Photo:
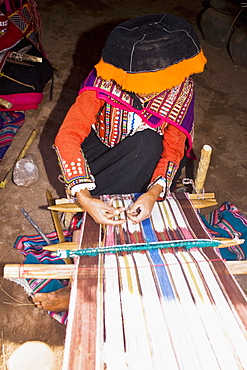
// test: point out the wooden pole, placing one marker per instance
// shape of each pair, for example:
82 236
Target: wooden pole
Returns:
66 207
6 104
21 155
207 201
203 203
28 271
57 223
62 246
202 168
55 218
16 271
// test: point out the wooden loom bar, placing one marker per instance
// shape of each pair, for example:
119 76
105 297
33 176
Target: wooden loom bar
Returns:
20 271
194 196
203 168
54 215
56 222
226 242
28 271
237 267
198 201
61 246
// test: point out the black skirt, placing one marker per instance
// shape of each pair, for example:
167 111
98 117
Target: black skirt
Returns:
125 168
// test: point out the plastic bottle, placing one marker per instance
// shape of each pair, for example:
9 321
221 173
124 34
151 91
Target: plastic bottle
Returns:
25 171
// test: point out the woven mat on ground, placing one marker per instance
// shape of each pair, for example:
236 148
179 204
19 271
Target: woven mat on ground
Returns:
31 246
10 123
228 222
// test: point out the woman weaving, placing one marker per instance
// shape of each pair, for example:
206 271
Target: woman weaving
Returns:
132 121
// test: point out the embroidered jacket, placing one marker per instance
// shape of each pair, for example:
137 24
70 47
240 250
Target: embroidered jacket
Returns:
104 106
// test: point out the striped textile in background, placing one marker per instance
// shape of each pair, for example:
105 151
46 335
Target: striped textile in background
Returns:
10 123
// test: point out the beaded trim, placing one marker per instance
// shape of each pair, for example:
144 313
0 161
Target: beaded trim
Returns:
75 173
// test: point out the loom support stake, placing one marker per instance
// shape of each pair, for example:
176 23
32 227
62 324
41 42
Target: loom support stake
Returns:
21 155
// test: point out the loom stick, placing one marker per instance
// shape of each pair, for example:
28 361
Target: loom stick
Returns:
55 218
200 203
207 200
6 104
203 200
237 267
227 242
27 271
61 246
66 207
21 155
56 221
202 168
62 249
185 243
209 196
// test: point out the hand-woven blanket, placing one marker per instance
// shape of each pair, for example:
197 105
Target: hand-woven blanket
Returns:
10 123
228 222
31 246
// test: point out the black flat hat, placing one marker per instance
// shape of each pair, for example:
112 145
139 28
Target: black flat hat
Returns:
151 53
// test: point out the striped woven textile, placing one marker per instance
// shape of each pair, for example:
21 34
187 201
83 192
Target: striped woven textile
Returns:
31 246
10 123
156 309
228 222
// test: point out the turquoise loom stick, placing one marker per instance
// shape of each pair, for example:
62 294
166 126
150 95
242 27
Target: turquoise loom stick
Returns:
186 243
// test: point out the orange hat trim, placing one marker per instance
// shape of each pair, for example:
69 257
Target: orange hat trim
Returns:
152 82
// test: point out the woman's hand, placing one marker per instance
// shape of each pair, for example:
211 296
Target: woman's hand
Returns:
101 212
143 206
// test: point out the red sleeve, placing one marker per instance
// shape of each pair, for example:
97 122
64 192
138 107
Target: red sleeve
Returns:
75 128
173 152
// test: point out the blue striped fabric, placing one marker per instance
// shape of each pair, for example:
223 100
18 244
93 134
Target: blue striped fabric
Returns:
10 123
228 222
31 246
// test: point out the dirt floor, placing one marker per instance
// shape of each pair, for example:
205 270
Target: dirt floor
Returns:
73 35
